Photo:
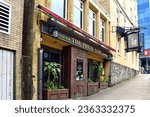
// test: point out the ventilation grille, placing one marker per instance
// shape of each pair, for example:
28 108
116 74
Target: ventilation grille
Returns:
5 11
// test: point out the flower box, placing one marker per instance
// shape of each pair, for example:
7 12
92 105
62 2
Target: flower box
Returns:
93 87
58 94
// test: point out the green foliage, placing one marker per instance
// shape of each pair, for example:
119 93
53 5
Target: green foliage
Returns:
90 80
100 70
95 69
61 87
106 79
54 68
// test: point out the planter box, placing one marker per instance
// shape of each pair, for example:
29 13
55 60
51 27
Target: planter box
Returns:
93 87
103 85
59 94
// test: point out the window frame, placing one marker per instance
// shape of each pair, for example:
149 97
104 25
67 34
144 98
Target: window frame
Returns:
93 22
65 8
103 27
81 10
118 16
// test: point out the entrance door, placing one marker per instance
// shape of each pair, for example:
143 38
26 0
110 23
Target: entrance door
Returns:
79 68
81 77
6 74
74 71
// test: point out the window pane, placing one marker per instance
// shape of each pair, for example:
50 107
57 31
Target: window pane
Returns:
90 14
90 26
58 7
102 30
77 17
78 13
92 23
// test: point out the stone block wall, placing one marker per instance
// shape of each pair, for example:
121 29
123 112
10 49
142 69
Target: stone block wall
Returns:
120 73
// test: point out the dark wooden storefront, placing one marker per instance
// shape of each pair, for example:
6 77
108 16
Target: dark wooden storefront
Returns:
76 50
75 71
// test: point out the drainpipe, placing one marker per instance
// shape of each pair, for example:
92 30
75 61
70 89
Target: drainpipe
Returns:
40 72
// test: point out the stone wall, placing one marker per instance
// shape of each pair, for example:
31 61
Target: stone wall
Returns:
120 73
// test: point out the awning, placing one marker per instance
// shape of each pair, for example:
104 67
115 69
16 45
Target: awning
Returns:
69 24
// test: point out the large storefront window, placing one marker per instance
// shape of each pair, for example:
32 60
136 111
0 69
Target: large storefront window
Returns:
78 13
102 30
92 22
94 70
50 56
59 7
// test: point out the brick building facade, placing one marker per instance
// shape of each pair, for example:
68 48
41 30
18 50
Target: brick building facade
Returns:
11 29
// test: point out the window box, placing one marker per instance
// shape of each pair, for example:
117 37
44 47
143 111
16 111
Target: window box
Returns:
103 85
58 94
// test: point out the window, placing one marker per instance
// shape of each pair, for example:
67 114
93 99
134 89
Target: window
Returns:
59 7
119 45
79 69
78 13
50 55
92 22
5 17
102 30
118 17
125 21
94 70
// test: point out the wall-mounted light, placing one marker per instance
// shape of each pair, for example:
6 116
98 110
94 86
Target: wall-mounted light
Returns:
53 31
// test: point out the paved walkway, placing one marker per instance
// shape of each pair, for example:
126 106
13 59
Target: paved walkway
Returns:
137 88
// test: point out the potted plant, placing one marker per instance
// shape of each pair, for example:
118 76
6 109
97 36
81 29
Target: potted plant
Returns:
93 81
104 82
53 90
